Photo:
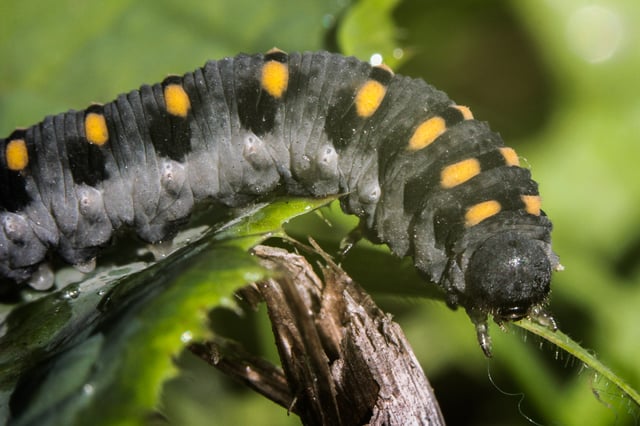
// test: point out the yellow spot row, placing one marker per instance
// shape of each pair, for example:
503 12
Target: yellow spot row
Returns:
460 172
484 210
274 80
176 100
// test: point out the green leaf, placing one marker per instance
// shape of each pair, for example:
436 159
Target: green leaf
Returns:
139 351
138 322
561 340
368 29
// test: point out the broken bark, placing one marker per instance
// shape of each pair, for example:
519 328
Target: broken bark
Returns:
344 361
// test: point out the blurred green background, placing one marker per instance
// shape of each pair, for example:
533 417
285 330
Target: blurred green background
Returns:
559 80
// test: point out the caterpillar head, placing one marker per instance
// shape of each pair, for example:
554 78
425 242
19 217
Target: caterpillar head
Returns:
508 276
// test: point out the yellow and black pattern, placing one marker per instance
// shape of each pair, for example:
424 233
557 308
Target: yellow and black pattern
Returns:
424 176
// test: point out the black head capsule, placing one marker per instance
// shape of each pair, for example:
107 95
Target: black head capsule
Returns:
508 276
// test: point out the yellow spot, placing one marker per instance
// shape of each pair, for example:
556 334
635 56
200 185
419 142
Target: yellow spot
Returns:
481 211
275 78
17 155
426 133
369 98
532 204
460 172
95 128
510 156
176 100
465 111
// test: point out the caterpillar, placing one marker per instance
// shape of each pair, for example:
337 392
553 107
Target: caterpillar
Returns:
419 171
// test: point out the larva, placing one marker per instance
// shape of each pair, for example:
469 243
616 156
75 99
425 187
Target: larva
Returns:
422 174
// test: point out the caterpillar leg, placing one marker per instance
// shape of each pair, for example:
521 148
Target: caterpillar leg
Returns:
479 319
86 267
352 238
42 278
540 315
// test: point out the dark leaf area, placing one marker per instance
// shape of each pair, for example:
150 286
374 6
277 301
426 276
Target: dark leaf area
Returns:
104 346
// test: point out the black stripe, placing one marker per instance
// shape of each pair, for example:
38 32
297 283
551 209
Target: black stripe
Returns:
257 109
491 160
452 116
86 160
13 190
170 135
342 121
